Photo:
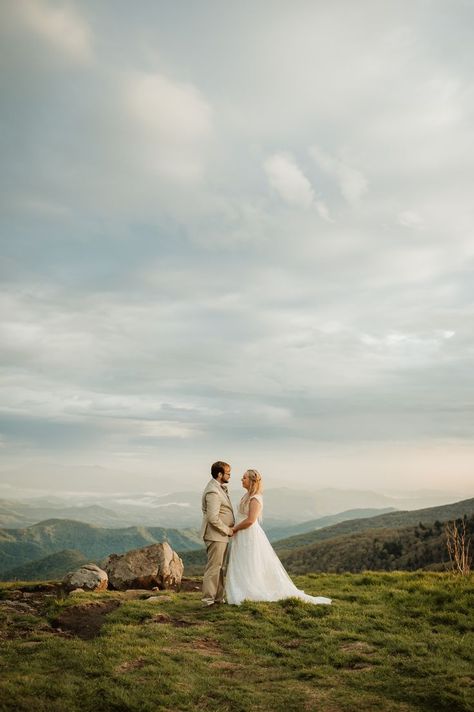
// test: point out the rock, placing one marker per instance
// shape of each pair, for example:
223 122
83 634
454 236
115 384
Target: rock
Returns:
159 599
75 591
89 577
18 606
152 566
135 594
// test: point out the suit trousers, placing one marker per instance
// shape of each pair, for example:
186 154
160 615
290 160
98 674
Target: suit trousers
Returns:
213 579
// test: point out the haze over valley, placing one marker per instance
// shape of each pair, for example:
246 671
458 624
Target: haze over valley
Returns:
284 506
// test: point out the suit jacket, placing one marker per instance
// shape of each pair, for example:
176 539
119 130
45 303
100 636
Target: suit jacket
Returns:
217 513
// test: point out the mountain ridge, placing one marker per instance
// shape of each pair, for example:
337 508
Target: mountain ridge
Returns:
23 545
405 548
390 520
275 533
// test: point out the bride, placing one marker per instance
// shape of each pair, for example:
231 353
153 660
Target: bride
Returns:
255 573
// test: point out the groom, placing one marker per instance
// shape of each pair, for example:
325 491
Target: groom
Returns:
217 522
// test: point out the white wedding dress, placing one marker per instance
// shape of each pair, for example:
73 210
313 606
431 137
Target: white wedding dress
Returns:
255 573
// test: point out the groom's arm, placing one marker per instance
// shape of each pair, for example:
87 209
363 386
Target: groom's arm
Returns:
212 510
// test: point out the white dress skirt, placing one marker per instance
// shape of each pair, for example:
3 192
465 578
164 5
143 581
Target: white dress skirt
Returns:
254 572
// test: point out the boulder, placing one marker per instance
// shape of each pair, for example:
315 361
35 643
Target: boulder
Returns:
152 566
89 577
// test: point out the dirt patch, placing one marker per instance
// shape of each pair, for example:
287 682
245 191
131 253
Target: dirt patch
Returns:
129 665
86 619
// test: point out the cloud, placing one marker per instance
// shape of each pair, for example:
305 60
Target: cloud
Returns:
174 277
411 219
352 183
289 181
173 123
60 25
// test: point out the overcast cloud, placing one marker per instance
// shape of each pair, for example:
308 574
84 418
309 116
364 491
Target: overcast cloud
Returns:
239 231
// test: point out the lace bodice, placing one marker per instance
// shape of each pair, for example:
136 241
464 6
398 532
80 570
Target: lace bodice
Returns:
244 506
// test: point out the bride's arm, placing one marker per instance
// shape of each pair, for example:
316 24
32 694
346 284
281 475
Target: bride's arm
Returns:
254 510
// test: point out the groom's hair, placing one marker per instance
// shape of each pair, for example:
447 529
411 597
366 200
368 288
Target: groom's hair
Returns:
218 468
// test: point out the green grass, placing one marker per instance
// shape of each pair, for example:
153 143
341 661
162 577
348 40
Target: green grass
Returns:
390 641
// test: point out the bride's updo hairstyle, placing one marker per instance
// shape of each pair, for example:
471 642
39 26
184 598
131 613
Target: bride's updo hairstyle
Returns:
256 485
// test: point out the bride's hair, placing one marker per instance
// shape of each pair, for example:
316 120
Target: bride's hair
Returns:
256 485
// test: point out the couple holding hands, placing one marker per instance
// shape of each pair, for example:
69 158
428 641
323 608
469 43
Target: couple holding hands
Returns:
254 571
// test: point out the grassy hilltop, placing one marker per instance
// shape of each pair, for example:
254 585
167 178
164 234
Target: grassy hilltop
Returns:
390 642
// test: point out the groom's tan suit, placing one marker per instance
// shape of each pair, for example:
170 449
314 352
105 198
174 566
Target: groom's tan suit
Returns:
217 520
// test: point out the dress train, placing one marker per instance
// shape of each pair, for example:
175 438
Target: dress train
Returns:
255 573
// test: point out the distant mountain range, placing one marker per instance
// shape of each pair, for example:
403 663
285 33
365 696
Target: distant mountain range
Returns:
21 546
279 532
57 545
285 507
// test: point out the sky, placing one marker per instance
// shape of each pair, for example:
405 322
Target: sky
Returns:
238 231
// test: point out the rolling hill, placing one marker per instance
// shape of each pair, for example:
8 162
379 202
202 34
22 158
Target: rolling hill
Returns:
392 520
54 566
20 546
403 549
